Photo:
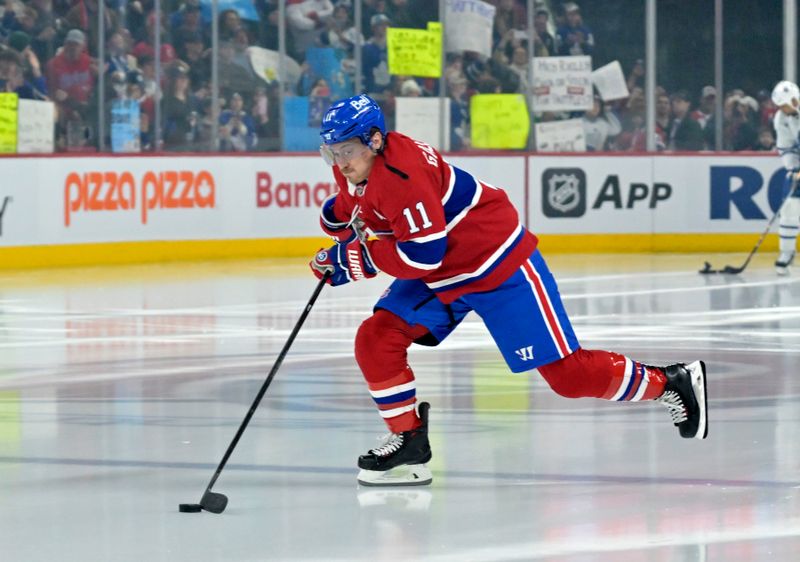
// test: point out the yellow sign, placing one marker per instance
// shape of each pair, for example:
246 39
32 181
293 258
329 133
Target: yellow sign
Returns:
499 121
415 52
8 123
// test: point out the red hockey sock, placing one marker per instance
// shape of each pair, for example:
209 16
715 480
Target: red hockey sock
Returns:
382 344
603 374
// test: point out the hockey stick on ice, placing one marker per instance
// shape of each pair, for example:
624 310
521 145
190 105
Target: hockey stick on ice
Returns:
214 501
734 270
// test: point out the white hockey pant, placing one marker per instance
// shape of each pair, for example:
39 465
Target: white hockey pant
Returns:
789 225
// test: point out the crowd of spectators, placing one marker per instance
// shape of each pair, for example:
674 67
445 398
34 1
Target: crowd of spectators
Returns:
49 51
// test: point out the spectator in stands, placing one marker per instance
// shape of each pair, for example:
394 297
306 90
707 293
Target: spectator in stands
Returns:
147 45
151 86
320 89
370 9
766 139
342 36
454 67
270 31
459 114
146 108
193 52
188 20
636 77
705 109
232 77
545 43
599 126
400 13
574 38
501 70
766 109
237 128
519 64
17 17
375 58
741 131
180 115
71 78
20 43
684 133
241 42
117 57
480 79
13 79
135 18
260 112
306 21
44 31
510 15
206 125
410 89
319 100
229 23
663 117
84 15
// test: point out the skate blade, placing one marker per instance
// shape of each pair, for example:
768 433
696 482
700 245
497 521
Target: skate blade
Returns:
698 375
404 475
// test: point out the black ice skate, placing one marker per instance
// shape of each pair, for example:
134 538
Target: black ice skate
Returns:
686 399
400 461
783 262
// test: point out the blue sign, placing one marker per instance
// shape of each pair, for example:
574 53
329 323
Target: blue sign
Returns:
325 63
245 8
125 126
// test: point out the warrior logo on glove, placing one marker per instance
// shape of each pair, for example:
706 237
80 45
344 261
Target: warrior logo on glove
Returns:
346 261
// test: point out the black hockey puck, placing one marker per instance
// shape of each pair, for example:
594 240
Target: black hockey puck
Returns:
189 508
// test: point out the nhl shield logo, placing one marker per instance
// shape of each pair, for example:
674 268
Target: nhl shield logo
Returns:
563 192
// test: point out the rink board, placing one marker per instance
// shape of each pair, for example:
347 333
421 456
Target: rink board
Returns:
96 210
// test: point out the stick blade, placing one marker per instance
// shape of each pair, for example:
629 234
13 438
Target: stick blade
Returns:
214 502
707 269
729 269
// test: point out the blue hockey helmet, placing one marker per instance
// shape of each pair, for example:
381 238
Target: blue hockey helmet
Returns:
352 117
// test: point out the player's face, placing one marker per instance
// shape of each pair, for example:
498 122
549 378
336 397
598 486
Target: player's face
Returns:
353 158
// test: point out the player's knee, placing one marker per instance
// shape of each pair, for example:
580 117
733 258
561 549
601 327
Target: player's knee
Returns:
791 211
566 376
383 337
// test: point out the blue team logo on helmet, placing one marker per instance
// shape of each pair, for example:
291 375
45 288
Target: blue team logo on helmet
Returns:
353 117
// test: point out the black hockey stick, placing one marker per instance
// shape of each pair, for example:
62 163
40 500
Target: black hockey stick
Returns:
214 501
734 270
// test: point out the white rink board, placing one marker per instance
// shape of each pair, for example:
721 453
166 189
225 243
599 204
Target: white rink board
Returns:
652 194
93 200
52 200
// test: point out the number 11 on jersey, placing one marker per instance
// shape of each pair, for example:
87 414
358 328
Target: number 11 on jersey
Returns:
412 225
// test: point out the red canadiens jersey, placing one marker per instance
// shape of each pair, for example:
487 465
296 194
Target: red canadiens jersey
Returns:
434 221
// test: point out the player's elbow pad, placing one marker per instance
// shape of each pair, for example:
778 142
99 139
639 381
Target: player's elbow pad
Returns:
423 256
330 224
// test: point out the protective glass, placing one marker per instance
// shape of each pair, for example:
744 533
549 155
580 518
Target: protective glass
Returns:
341 154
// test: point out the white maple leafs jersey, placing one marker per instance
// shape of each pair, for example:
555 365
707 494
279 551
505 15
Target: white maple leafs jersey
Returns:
787 138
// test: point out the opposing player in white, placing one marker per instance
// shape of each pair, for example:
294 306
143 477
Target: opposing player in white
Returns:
786 96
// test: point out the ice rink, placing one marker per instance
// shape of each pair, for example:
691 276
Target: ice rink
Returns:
121 388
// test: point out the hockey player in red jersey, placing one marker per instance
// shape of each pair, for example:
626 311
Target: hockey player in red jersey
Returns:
454 244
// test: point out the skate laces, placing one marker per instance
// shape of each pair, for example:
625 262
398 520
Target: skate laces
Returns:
674 403
392 442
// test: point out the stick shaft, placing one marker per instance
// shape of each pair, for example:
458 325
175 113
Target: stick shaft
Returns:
770 223
268 380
